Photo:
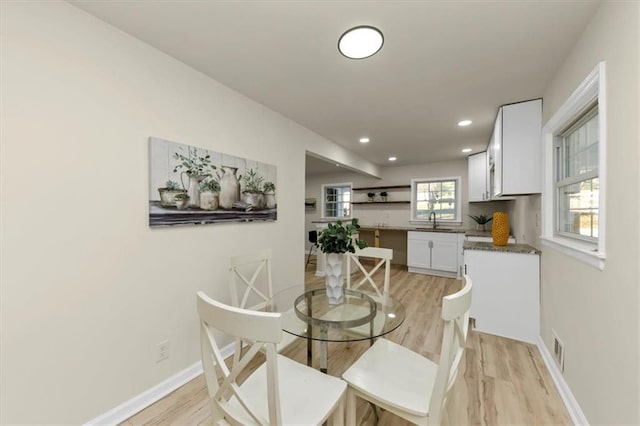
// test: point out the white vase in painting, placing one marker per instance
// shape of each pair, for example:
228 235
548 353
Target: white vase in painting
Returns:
270 200
333 278
209 200
229 187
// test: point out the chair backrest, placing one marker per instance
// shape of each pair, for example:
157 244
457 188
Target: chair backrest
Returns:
250 280
455 313
382 259
263 330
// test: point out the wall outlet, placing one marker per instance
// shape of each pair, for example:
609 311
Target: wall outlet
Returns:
558 351
162 351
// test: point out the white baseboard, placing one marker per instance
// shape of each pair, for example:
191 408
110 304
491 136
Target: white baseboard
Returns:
138 403
575 412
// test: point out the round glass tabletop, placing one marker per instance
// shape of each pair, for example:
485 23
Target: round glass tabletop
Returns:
361 315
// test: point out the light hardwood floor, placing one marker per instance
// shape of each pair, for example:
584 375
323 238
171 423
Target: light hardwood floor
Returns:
501 381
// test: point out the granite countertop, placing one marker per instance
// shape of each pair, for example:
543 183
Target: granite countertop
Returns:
509 248
413 228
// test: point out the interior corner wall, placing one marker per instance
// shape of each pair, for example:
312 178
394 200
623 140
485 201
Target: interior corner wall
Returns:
596 313
87 289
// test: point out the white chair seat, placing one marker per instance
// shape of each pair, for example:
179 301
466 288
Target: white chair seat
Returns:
298 408
400 383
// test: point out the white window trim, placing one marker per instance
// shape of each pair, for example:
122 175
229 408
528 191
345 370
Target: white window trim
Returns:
323 197
590 90
458 179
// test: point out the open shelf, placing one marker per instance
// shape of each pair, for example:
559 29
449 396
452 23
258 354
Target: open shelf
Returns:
367 188
380 202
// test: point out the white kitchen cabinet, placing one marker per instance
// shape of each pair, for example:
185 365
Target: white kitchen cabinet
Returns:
478 188
435 253
516 152
505 299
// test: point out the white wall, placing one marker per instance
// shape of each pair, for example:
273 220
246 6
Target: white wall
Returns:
596 313
87 288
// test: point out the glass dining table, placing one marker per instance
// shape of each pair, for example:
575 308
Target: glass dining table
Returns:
361 315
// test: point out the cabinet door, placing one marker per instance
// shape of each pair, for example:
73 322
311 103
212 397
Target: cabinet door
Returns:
444 253
496 190
418 253
477 177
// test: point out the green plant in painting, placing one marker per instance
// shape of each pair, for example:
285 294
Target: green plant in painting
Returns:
182 196
338 238
172 185
269 187
193 164
252 182
210 185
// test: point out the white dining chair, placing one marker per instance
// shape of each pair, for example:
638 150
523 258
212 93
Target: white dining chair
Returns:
280 391
252 287
404 382
378 285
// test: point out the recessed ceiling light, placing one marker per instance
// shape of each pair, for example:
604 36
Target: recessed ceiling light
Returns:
464 123
392 158
337 165
364 140
466 150
360 42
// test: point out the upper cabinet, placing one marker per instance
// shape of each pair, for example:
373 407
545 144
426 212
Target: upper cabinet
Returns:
515 154
478 188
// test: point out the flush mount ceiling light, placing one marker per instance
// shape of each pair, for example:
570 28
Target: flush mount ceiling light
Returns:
464 123
392 158
466 150
360 42
364 140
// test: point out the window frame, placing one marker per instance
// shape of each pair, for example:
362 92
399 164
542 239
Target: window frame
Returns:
458 199
323 188
589 93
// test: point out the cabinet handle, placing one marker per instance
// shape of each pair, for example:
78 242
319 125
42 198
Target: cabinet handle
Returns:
430 244
465 269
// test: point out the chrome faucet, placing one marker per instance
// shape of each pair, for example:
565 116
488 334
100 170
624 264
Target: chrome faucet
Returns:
432 217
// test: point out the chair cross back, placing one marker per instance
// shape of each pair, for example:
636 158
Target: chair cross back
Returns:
264 330
382 258
244 285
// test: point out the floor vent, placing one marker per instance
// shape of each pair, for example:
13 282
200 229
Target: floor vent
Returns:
558 351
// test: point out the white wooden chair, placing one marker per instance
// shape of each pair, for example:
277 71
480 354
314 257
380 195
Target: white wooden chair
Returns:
280 391
406 383
380 288
252 287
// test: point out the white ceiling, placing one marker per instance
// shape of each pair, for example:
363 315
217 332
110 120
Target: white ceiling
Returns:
441 62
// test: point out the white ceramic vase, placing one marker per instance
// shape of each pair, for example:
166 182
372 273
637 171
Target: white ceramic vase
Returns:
229 187
333 278
209 200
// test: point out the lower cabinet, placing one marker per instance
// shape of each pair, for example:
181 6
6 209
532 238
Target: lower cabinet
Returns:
436 253
505 299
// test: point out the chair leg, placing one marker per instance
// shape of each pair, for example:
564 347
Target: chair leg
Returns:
338 414
309 257
351 407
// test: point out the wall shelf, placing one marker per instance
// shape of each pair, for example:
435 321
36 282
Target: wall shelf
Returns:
367 188
380 202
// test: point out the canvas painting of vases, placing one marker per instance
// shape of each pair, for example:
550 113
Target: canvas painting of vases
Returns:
194 186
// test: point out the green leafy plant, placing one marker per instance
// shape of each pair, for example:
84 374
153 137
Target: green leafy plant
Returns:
182 196
210 185
193 164
172 185
481 219
337 238
252 182
269 187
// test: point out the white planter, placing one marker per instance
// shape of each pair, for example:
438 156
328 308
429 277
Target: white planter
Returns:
209 200
270 200
333 278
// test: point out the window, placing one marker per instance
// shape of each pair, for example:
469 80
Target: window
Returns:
436 196
336 200
574 190
577 183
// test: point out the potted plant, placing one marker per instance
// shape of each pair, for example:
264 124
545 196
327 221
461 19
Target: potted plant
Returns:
196 168
182 201
252 193
334 241
481 220
209 194
269 190
383 196
169 192
371 196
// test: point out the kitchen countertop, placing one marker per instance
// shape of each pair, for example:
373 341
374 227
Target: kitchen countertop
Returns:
509 248
413 228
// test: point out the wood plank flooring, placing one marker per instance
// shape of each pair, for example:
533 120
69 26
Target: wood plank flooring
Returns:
500 382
